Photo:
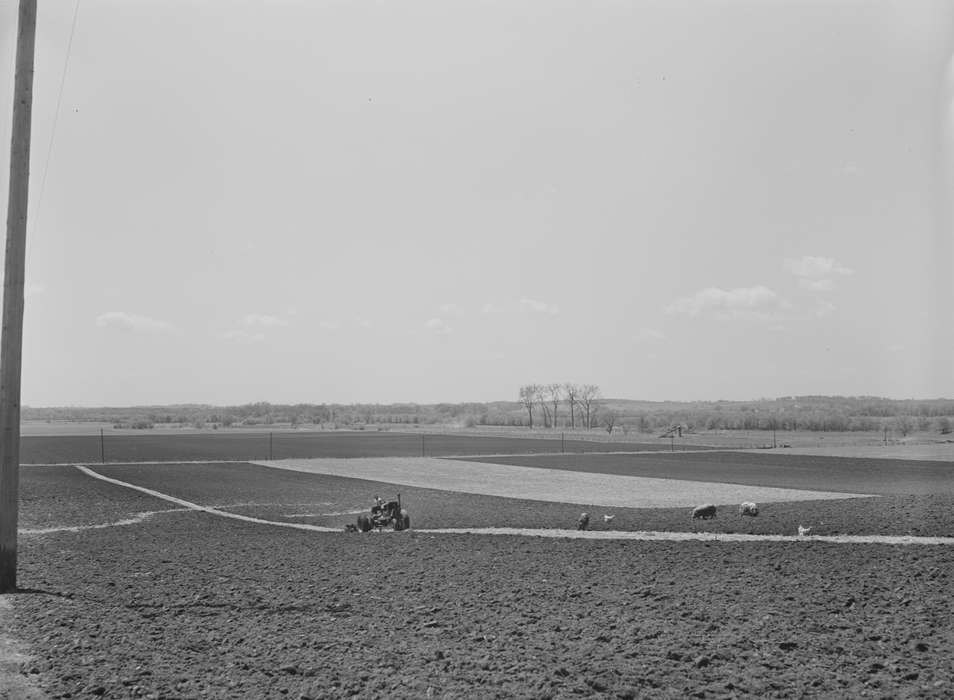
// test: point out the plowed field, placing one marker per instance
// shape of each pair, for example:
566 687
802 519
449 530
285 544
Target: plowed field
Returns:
186 604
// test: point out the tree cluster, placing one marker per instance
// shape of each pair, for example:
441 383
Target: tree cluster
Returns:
582 402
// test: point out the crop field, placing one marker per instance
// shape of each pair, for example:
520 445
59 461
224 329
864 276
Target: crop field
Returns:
874 476
225 445
126 594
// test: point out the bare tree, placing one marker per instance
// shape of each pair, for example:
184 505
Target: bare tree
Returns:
528 397
572 391
555 393
543 400
608 421
589 400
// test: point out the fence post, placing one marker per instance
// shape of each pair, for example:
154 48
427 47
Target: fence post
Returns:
102 447
270 445
423 452
563 443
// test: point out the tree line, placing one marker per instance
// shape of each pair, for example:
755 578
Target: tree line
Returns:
555 406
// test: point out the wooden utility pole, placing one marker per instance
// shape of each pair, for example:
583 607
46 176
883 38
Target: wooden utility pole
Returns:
11 341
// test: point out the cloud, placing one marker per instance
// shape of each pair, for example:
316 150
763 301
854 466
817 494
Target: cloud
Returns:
649 334
741 303
538 307
244 337
816 267
815 273
329 325
133 323
264 321
824 285
438 326
362 322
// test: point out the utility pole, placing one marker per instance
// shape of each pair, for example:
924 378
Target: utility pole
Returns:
11 341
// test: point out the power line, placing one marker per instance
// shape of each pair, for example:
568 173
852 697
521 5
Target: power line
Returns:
56 119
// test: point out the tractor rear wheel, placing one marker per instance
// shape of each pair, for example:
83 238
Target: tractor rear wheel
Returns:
405 520
364 523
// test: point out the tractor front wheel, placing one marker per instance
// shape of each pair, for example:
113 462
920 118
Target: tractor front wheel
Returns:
405 520
364 523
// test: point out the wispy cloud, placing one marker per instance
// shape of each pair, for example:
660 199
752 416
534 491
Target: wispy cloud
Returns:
538 307
134 323
754 303
817 274
264 321
361 322
438 326
816 267
242 336
824 285
329 325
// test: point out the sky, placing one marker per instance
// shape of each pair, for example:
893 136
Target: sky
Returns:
437 200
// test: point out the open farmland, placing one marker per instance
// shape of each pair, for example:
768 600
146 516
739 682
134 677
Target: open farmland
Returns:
133 596
877 476
245 445
333 501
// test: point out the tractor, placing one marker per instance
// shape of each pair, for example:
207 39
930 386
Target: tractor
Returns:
384 515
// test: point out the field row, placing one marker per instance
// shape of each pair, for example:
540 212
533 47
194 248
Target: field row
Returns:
223 445
554 485
840 474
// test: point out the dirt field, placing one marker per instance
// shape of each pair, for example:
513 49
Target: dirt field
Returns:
939 451
850 475
332 501
245 445
562 485
184 604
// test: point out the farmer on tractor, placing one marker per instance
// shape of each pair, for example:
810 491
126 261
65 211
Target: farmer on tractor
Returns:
384 514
